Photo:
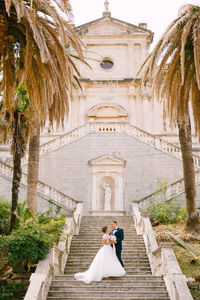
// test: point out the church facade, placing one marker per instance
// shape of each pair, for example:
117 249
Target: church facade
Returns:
107 168
107 158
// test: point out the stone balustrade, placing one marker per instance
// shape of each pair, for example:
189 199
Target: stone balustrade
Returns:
112 127
60 141
47 192
157 142
54 263
166 193
162 259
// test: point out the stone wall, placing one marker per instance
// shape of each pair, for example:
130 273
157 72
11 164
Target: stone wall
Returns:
67 169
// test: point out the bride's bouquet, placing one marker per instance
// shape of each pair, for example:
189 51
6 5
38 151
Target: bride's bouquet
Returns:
112 238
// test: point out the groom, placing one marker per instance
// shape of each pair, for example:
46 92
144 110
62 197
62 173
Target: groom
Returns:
119 233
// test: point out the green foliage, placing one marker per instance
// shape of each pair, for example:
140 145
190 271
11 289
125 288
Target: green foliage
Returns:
183 245
167 212
32 237
6 292
4 216
5 208
22 98
162 185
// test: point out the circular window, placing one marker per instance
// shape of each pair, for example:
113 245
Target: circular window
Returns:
106 64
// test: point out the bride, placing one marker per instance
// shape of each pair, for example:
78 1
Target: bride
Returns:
105 263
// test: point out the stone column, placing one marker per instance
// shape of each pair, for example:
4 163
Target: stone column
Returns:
130 71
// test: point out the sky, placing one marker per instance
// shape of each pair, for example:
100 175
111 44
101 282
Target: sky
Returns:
158 14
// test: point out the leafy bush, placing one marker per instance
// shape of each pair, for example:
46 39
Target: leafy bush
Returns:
4 216
167 212
32 238
27 244
5 208
6 292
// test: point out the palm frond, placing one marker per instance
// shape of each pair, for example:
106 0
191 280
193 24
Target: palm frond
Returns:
180 243
173 67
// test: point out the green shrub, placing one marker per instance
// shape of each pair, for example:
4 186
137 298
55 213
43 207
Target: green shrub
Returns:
5 207
31 241
166 212
6 292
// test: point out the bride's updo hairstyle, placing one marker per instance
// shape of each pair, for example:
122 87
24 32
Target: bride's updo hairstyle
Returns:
104 229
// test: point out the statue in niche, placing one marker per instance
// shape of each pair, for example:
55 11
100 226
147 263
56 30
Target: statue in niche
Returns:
108 195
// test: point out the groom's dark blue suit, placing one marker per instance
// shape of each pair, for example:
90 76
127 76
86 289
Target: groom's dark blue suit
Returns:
119 233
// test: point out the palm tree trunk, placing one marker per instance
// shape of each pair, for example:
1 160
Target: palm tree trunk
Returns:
3 27
193 222
33 166
18 149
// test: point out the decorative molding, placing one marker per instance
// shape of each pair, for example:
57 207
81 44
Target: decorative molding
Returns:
107 110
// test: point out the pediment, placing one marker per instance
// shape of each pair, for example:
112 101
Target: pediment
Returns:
107 110
110 26
107 160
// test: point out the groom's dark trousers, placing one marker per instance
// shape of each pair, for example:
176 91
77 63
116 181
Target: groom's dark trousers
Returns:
118 246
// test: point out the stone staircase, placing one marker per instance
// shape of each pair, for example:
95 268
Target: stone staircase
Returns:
138 283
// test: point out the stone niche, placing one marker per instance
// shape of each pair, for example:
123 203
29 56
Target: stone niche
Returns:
107 185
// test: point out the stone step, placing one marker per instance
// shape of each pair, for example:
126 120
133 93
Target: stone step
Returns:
132 268
108 220
98 228
86 263
91 256
105 284
116 297
100 242
94 251
108 224
89 260
126 278
127 259
93 238
138 283
99 233
81 239
96 293
127 272
131 248
72 288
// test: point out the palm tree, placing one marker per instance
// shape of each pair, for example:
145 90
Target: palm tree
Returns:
35 43
173 70
33 167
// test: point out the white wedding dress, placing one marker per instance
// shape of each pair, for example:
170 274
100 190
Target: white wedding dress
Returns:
105 264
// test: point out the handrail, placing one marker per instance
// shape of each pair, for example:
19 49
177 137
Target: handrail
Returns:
162 259
166 193
112 127
54 263
159 143
43 189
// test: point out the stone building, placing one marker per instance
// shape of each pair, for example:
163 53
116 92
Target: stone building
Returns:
114 148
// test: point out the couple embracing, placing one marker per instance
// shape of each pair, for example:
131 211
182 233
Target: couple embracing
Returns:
107 261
